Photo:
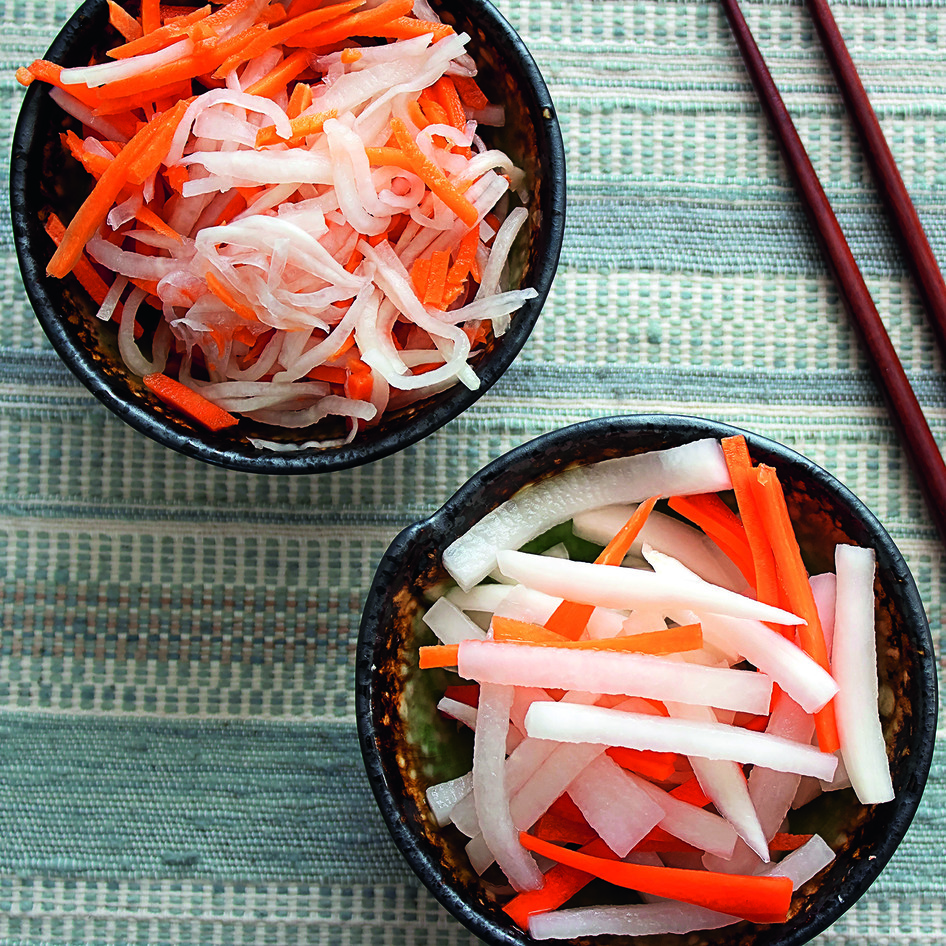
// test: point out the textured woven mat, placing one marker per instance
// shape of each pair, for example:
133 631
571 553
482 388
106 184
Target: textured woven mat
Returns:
178 758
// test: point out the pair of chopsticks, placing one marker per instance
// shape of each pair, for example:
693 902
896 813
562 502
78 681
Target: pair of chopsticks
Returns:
902 403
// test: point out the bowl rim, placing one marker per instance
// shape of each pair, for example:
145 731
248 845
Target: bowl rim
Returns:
215 448
421 856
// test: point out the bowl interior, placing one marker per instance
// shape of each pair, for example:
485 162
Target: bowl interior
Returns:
44 177
407 745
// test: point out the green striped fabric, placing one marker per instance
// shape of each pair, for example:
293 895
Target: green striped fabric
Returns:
178 756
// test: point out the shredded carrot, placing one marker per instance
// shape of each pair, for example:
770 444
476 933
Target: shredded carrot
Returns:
470 93
437 655
84 271
420 274
658 766
278 78
285 32
691 792
188 402
757 899
736 452
150 16
794 578
123 21
561 884
509 629
468 693
449 100
570 617
432 176
354 24
229 299
719 522
788 842
302 126
150 219
405 27
156 39
24 76
350 54
359 387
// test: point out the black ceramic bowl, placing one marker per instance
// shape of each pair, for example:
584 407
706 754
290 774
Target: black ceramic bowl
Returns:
407 745
43 176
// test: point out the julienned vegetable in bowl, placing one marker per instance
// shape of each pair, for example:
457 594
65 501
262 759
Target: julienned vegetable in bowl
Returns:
287 236
647 679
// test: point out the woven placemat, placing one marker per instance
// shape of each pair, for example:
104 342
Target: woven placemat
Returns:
178 757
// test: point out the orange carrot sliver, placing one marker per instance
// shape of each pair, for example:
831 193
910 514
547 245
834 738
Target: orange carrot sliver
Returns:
691 792
150 219
757 899
354 24
469 92
718 521
123 21
84 271
437 655
788 842
570 617
509 629
290 68
658 766
150 16
188 402
561 884
223 293
739 464
159 38
794 578
432 176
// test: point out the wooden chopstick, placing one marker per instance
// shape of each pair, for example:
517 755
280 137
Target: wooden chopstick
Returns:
926 272
905 410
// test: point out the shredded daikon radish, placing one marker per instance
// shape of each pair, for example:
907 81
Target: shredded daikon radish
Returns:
443 797
278 218
855 666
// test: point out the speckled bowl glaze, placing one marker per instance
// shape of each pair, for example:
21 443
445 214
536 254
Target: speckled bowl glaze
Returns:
42 176
407 745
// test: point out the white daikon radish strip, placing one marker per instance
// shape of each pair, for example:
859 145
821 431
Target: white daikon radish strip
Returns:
128 347
116 71
628 588
462 712
537 772
645 919
693 738
614 805
489 789
666 534
614 673
450 624
788 665
771 792
693 825
110 302
442 797
485 598
724 783
643 621
81 112
691 468
825 589
855 668
801 865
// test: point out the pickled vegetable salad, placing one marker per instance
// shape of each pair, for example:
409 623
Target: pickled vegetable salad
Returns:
615 704
300 189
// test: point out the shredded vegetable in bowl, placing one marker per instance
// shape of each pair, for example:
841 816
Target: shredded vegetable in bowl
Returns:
670 705
295 211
